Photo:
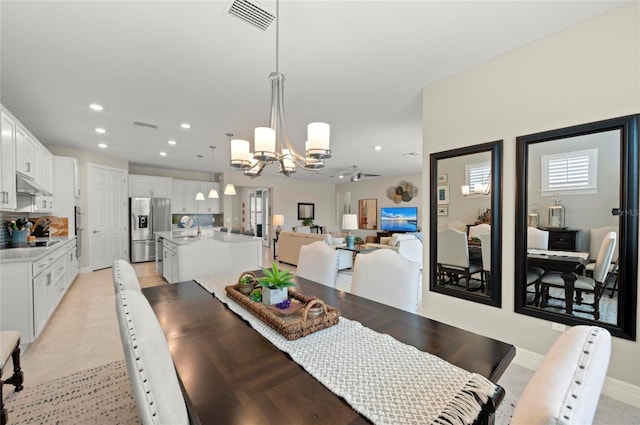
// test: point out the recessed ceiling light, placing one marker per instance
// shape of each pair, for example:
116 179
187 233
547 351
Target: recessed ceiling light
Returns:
172 142
100 130
411 154
96 107
341 176
102 145
163 154
377 148
185 125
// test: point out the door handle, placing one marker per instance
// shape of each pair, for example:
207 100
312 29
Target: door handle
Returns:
96 231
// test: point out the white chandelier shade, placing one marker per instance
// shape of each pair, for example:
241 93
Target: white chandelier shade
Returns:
272 144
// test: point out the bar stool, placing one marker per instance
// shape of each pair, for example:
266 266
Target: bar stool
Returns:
9 346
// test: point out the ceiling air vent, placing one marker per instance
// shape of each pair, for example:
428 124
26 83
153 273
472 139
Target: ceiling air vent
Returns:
252 13
144 124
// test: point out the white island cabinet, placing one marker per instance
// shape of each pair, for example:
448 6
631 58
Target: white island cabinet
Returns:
186 257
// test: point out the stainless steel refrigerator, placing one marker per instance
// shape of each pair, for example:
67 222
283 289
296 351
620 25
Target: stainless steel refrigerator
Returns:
148 215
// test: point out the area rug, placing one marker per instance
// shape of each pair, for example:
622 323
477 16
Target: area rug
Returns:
101 395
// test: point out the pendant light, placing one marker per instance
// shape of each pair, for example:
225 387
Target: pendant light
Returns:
213 193
199 195
229 189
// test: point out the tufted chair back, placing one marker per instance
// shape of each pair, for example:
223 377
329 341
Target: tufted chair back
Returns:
153 377
566 387
124 276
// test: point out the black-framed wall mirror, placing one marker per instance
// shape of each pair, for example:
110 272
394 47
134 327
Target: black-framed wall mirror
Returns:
575 186
465 223
306 211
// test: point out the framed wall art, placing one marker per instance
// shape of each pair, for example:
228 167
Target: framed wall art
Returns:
443 194
368 214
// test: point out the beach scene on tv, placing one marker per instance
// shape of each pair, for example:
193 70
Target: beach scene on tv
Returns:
399 219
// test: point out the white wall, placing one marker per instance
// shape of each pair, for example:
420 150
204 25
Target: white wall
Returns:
587 73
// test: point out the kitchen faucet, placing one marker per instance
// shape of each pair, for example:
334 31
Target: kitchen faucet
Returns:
198 233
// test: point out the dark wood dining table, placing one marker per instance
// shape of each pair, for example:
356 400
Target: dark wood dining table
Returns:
230 374
567 265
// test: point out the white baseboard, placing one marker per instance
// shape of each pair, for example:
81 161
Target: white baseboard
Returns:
84 270
614 388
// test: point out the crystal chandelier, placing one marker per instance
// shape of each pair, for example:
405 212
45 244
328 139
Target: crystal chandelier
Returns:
272 144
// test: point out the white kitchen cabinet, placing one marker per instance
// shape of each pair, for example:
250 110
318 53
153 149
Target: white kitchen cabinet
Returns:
169 261
31 289
156 187
42 204
76 178
25 146
43 171
183 199
7 163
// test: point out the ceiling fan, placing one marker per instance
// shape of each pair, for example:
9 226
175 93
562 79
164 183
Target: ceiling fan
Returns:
355 175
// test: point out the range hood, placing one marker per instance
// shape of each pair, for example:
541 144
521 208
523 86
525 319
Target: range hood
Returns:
29 186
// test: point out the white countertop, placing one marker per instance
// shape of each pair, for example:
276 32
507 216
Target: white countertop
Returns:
218 236
30 253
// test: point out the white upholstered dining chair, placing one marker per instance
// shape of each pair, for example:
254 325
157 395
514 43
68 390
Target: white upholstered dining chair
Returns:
124 276
478 229
151 371
319 262
537 239
585 284
596 236
566 387
387 277
453 257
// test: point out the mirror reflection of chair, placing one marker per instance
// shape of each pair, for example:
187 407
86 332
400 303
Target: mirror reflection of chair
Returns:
478 229
584 284
596 236
453 258
318 262
387 277
536 239
485 246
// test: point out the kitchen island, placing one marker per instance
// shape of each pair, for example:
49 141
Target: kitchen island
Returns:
188 257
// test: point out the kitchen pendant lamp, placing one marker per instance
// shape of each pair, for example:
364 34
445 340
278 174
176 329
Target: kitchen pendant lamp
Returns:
229 189
199 195
272 144
213 193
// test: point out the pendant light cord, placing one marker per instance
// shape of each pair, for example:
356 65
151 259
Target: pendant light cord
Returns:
277 36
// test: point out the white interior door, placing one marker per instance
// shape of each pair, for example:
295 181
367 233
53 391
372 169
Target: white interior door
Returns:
108 225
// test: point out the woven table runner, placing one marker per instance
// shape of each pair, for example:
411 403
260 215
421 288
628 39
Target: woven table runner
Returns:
381 378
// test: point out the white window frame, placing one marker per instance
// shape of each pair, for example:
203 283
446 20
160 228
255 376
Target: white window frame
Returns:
588 186
484 169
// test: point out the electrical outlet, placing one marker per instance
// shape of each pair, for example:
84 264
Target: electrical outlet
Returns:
559 327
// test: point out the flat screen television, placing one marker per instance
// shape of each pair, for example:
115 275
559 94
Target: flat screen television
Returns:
399 219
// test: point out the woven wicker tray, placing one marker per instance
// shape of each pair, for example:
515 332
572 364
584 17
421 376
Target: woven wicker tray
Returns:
294 326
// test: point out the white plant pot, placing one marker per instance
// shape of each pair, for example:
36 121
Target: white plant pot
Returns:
274 296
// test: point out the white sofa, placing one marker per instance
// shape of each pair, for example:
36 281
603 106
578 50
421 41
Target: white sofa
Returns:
289 244
408 246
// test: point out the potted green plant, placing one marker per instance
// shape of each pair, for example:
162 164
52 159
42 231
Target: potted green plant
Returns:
246 283
274 284
307 222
